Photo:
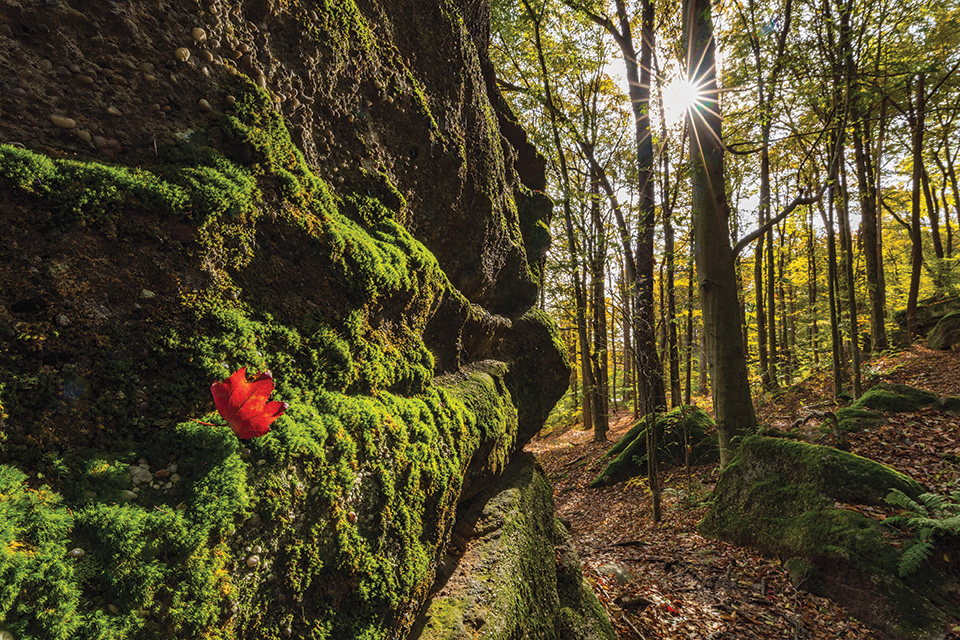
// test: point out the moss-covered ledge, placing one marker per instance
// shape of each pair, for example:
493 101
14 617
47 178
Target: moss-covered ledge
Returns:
511 571
786 498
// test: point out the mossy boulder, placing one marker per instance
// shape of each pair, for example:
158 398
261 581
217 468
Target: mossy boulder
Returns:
511 571
676 429
929 312
946 333
894 398
885 397
780 496
857 419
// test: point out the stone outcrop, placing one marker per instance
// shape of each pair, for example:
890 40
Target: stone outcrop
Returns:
802 502
946 333
331 190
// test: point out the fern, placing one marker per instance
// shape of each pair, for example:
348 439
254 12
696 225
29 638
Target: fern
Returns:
928 517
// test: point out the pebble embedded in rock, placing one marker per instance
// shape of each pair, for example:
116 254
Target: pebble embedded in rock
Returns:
162 473
182 54
204 105
46 65
112 110
84 135
146 67
199 34
74 67
76 553
6 635
62 121
175 478
207 56
128 495
114 609
253 561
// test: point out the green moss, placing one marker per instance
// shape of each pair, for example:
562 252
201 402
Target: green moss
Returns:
630 451
525 579
894 398
77 190
857 419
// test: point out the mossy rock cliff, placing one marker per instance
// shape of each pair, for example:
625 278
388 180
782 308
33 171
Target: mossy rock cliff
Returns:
789 499
187 188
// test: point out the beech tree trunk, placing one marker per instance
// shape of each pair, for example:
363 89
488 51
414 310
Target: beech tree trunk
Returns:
916 119
839 196
599 361
714 257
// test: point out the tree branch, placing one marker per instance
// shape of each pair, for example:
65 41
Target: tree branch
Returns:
744 242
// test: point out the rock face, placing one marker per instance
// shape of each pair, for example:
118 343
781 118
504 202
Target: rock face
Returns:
799 501
511 571
946 333
331 190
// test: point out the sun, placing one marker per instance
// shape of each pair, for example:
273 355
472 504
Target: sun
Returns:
680 96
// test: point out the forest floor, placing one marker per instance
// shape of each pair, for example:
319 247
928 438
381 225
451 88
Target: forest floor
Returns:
668 582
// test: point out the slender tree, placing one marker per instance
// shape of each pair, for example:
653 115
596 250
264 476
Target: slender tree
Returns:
714 256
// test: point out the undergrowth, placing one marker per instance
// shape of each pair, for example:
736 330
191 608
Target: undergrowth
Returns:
929 517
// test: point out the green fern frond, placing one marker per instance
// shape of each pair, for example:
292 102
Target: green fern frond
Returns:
932 501
950 524
898 498
914 557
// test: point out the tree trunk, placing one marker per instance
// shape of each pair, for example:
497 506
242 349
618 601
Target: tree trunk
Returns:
933 212
599 360
916 118
650 369
814 334
688 391
710 213
839 195
836 345
866 184
672 339
761 309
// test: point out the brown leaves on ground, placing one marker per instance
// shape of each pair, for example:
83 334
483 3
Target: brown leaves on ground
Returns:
681 585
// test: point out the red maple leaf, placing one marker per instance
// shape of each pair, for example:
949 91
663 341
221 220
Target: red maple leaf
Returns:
244 404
